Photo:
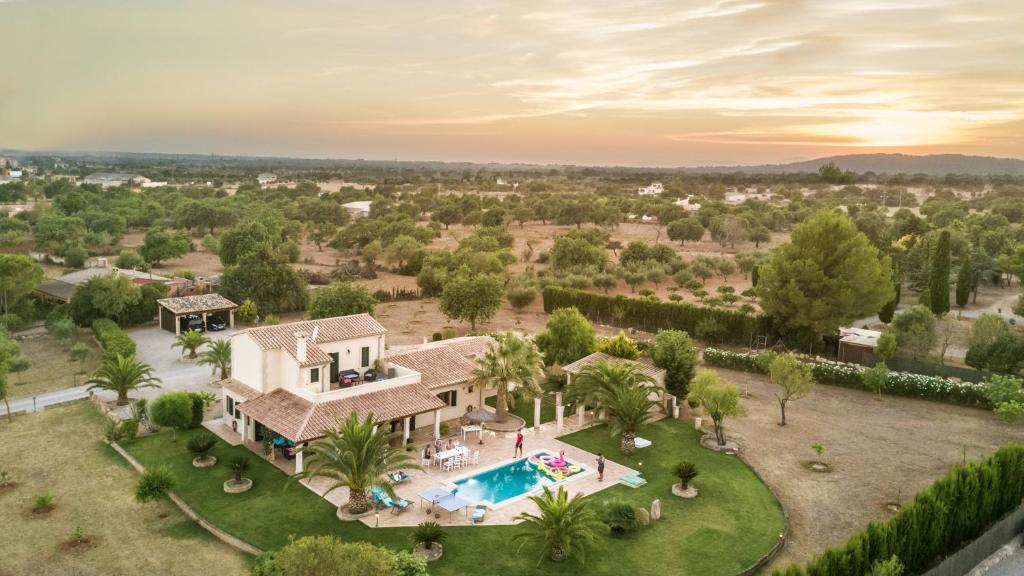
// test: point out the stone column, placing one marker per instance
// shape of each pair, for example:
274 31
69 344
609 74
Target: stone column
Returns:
177 325
231 318
580 414
244 427
298 462
559 417
437 424
405 431
536 414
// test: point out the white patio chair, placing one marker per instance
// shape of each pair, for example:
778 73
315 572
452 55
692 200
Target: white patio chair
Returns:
448 465
476 457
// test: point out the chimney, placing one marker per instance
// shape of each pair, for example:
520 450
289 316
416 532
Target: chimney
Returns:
300 346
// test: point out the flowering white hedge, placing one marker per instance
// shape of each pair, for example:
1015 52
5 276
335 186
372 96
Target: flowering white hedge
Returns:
849 375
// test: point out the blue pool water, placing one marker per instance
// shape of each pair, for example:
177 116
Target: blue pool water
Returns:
503 483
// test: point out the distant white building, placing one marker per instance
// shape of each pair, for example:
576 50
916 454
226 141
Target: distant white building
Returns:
153 184
358 209
15 173
266 178
109 179
688 204
653 190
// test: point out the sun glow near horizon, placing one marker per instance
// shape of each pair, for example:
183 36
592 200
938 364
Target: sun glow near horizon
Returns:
649 83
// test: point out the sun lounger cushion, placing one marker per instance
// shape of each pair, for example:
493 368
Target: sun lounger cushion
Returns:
478 514
633 480
642 442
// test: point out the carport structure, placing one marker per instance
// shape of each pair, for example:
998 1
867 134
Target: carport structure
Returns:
172 310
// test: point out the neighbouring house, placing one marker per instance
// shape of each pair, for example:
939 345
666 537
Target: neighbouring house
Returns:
653 190
110 179
62 288
688 204
301 379
266 178
857 345
358 209
174 313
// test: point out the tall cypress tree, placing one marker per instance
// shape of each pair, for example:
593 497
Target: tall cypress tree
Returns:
964 281
938 283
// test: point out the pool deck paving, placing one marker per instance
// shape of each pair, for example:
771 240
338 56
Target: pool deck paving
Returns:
496 450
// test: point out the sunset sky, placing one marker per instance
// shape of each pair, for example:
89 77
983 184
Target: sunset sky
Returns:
626 83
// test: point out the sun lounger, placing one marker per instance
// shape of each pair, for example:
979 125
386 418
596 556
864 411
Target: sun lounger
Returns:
633 480
642 442
398 477
478 514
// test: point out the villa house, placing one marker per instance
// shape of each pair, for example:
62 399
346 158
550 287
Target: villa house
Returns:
301 379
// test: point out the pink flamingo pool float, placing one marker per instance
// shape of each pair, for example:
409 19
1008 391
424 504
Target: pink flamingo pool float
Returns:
555 467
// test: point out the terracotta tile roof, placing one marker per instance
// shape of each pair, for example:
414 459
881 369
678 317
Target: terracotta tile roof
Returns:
300 420
442 363
644 363
196 304
337 329
240 389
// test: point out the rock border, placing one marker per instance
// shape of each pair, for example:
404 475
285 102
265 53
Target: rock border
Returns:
232 487
204 461
345 516
710 442
690 492
431 555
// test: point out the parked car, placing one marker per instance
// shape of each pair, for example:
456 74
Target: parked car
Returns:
194 322
216 324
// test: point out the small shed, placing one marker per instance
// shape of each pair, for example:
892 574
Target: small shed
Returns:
174 311
857 345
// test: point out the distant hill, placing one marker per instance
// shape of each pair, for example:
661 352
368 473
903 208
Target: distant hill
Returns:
933 164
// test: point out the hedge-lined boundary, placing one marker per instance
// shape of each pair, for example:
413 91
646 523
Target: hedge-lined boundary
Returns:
112 338
849 376
942 519
649 315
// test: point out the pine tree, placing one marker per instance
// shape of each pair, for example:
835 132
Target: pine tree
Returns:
938 283
964 281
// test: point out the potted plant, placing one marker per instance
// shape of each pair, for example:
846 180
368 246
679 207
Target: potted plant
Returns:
200 445
237 484
686 472
428 538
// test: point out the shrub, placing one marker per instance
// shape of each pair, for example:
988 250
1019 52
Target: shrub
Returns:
129 429
155 483
427 534
198 407
521 294
42 501
247 312
686 472
620 517
405 563
201 443
112 338
113 432
648 315
620 346
5 478
851 376
173 410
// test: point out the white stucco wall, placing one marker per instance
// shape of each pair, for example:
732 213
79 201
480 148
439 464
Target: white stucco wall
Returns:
350 352
247 361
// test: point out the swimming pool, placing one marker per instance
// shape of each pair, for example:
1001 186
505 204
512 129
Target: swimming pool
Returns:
509 481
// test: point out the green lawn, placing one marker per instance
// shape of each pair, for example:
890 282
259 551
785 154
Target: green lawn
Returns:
733 522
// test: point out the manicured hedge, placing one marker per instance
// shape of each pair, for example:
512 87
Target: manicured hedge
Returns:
943 518
849 375
650 316
112 338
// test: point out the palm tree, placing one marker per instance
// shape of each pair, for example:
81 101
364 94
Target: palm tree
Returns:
122 374
356 456
190 341
513 363
622 392
218 355
563 529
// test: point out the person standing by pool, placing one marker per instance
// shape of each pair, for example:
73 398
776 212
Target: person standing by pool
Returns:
519 444
600 467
